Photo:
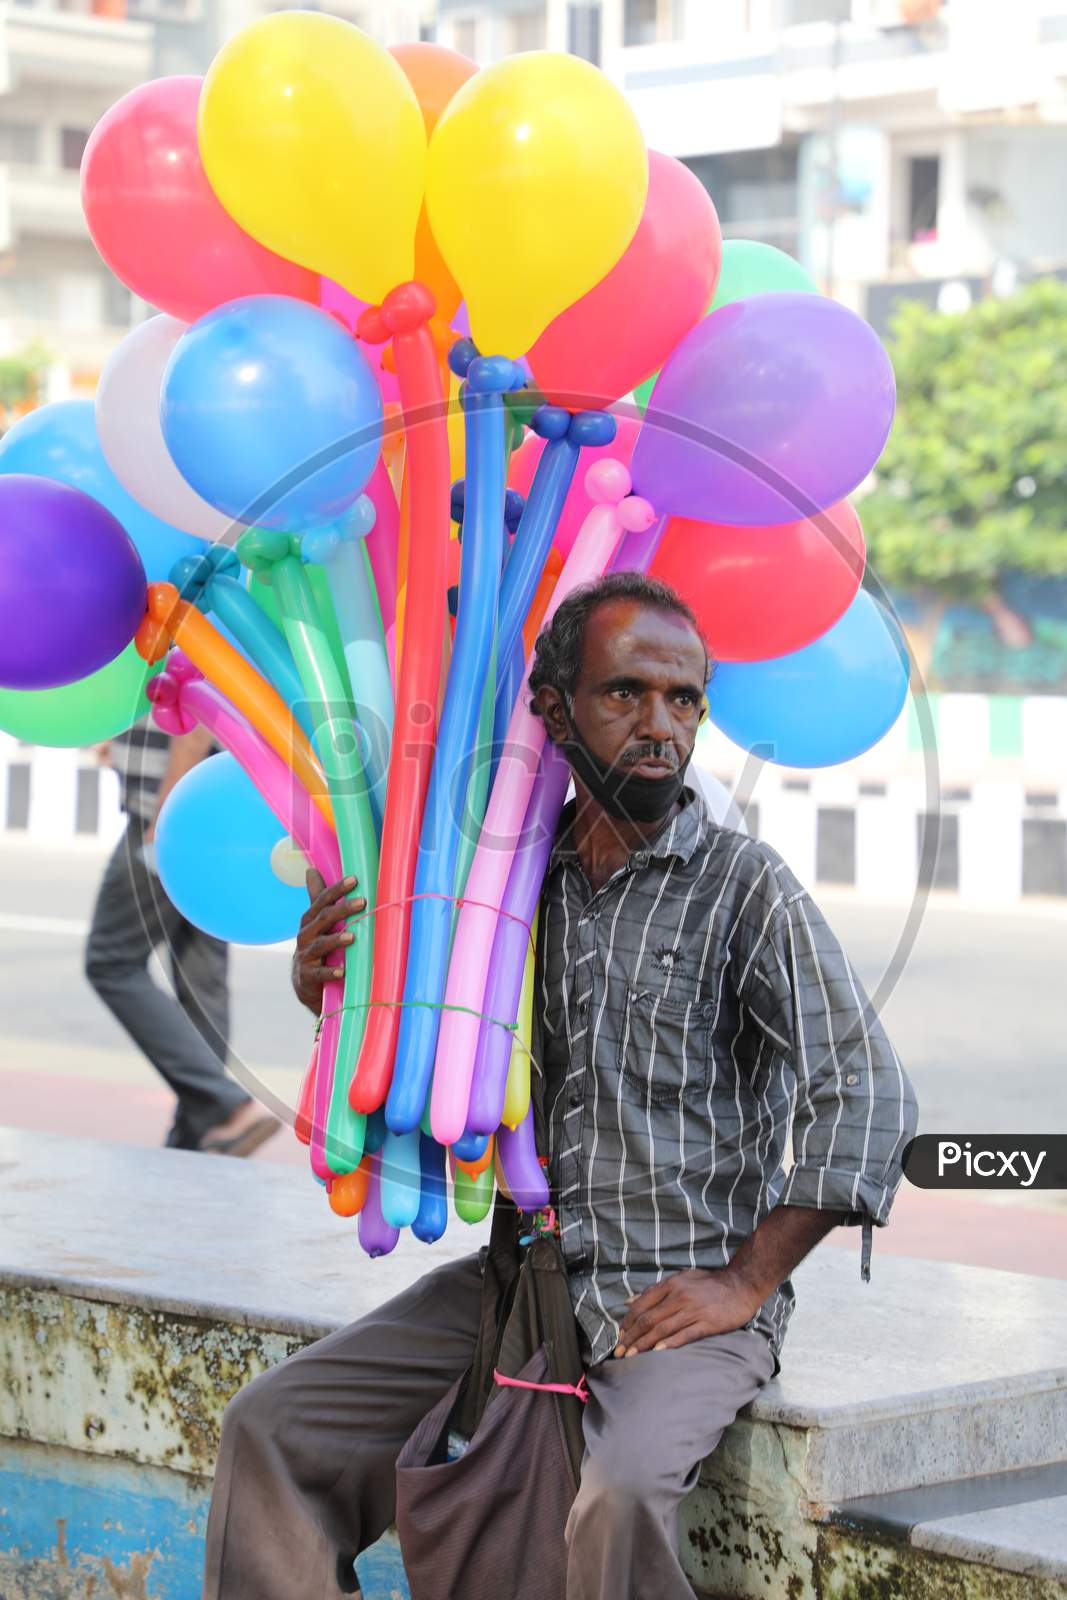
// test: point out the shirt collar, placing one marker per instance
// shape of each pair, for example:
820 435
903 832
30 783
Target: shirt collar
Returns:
679 837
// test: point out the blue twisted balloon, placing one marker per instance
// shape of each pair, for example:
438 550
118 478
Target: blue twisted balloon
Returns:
564 435
211 582
488 379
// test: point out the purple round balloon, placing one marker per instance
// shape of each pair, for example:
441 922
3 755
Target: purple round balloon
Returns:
72 586
769 410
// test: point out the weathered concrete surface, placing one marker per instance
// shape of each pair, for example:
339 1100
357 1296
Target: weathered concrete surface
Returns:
114 1380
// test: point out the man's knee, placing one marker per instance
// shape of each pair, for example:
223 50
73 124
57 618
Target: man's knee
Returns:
613 1489
253 1416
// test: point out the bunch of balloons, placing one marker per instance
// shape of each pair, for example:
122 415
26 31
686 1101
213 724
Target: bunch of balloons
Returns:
434 346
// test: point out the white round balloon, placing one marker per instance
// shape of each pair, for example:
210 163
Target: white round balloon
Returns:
289 863
127 421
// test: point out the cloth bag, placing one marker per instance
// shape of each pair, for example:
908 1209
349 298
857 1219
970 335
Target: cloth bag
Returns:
489 1524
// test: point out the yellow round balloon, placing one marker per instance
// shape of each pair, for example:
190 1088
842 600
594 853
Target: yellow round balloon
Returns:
312 138
535 183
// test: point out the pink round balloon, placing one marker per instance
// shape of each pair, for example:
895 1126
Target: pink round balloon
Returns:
578 503
625 327
155 218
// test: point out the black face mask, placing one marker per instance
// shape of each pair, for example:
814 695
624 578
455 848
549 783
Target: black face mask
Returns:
622 792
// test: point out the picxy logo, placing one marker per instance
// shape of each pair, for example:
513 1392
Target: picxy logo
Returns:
977 1161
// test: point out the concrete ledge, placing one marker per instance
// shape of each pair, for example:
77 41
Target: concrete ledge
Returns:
140 1289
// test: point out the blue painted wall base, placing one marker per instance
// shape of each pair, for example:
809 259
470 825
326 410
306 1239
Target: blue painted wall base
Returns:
87 1526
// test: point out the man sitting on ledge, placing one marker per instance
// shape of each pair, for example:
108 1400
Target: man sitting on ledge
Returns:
693 998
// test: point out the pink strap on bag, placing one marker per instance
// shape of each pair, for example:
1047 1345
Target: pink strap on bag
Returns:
578 1390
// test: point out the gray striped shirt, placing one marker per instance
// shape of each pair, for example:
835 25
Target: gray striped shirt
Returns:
691 1009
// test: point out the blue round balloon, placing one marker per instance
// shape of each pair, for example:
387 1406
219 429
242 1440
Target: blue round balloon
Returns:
823 704
60 442
272 412
213 844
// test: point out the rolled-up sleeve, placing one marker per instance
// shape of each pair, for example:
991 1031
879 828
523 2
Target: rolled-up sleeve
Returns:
855 1106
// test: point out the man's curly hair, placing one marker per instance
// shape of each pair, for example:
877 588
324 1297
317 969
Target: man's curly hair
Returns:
558 648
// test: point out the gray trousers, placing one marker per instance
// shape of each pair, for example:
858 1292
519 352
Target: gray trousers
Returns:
186 1041
305 1474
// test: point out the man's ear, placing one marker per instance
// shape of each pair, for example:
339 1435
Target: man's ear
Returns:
553 714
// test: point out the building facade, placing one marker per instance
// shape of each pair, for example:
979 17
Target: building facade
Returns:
894 146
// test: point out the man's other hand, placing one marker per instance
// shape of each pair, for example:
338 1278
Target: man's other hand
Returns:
685 1307
320 933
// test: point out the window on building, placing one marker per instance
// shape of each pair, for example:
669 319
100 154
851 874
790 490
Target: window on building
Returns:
755 193
524 30
653 21
641 22
797 12
80 300
924 183
72 142
118 302
465 36
19 142
583 32
427 32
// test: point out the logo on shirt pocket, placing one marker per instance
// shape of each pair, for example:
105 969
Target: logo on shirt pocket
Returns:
665 1046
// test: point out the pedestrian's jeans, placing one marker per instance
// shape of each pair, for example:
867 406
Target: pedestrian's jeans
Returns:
186 1041
306 1470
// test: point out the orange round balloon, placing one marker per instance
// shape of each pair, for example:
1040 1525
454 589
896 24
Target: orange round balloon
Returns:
435 74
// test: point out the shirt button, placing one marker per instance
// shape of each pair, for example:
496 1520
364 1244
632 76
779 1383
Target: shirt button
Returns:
583 1008
575 1098
853 1078
641 858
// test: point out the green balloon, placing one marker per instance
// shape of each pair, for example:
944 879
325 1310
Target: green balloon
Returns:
748 268
263 594
87 711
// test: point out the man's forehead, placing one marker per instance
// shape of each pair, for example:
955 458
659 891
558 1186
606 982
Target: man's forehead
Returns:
620 631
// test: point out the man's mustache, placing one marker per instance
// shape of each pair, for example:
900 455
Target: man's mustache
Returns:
651 750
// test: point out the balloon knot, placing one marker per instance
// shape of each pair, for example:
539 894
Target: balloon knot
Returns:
495 375
152 639
514 506
193 574
260 549
607 482
636 514
551 422
405 309
181 668
371 328
168 712
592 428
460 356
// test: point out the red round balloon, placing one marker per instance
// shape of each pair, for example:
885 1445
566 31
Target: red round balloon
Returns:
155 219
623 329
763 592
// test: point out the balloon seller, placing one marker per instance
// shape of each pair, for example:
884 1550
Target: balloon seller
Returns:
463 463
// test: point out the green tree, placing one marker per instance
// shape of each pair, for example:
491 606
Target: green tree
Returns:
21 375
973 482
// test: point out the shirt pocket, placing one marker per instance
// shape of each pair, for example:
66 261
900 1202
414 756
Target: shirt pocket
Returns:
664 1050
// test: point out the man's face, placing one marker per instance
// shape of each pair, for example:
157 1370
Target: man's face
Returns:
640 692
